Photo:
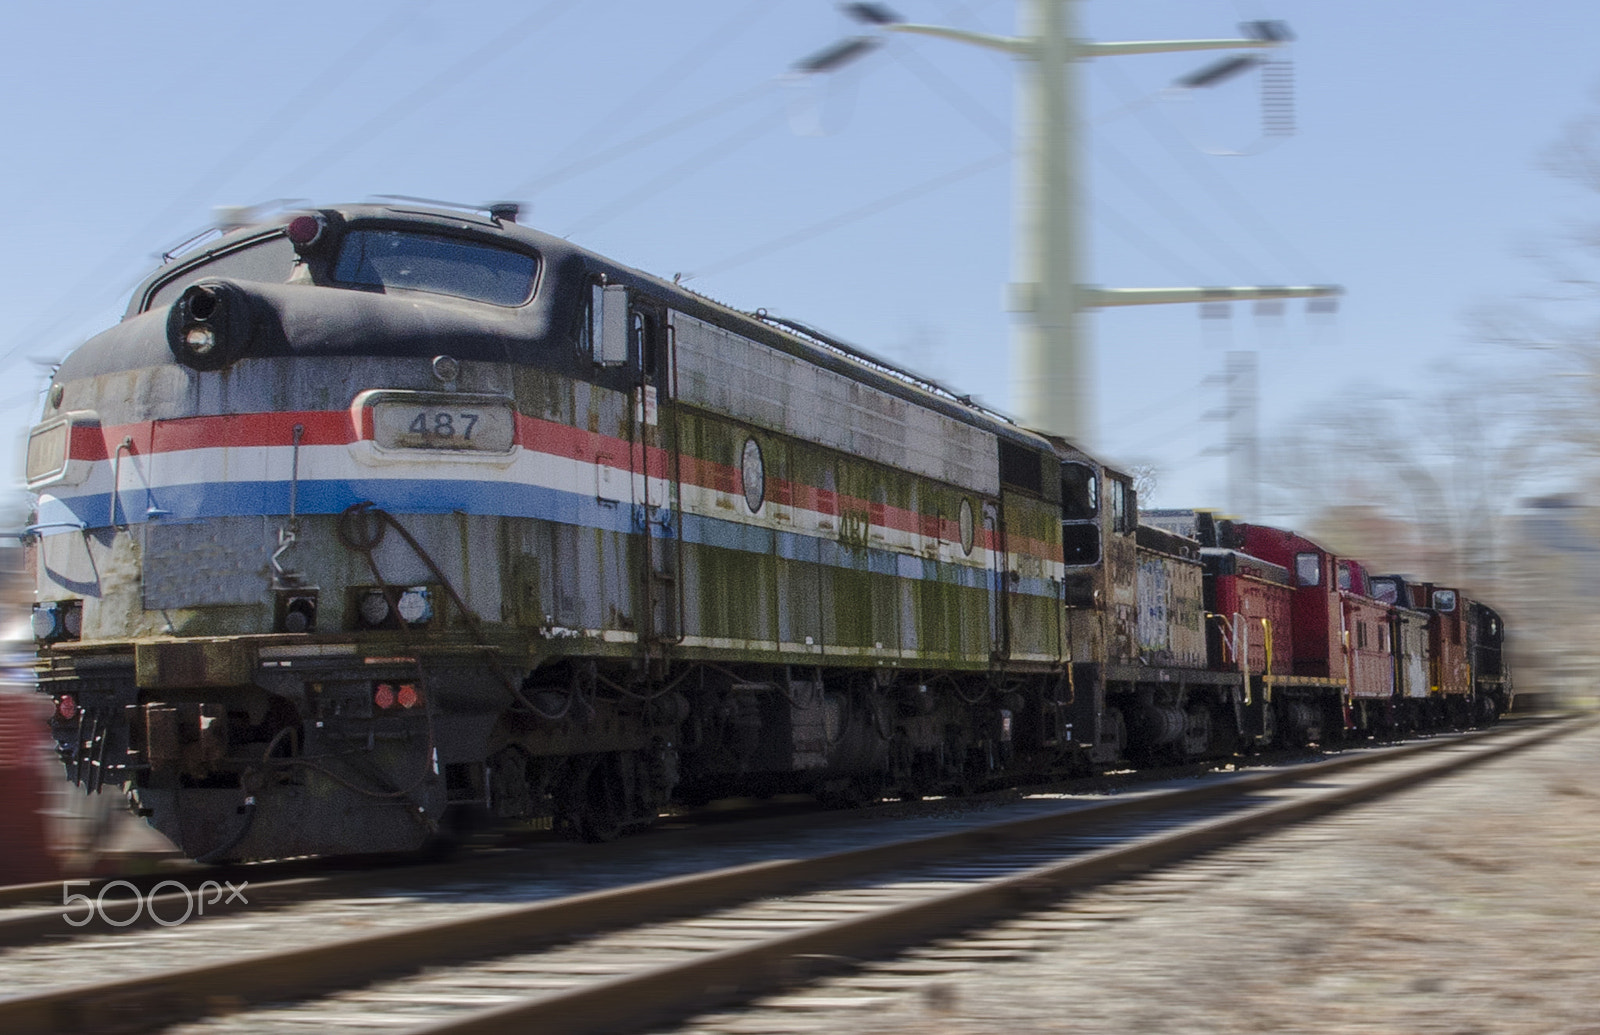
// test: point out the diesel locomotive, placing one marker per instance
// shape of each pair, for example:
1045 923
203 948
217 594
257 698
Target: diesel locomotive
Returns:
377 516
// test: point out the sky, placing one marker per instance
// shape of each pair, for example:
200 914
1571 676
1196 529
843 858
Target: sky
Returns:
874 203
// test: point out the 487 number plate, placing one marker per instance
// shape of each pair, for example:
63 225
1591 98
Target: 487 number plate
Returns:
451 424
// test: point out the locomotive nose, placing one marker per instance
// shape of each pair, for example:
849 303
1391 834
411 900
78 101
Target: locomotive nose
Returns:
208 326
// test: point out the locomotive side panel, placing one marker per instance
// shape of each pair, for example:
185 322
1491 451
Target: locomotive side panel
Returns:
1032 552
1171 626
855 531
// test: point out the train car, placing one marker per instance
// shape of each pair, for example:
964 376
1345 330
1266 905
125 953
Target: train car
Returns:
1412 651
378 514
375 518
1249 604
1449 651
1312 703
1136 615
1491 676
1367 626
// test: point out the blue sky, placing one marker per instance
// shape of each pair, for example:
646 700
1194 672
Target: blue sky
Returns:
1415 180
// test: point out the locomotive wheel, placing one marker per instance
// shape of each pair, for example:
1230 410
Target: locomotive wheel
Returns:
1197 730
600 805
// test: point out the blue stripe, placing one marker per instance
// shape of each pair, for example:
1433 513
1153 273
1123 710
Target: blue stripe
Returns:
196 502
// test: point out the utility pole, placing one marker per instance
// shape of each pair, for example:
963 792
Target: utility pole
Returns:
1047 292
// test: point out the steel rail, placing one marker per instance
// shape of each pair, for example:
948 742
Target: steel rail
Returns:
150 1001
668 994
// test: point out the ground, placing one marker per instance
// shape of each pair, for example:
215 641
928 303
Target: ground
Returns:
1467 906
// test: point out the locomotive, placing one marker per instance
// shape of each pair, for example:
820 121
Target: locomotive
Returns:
374 517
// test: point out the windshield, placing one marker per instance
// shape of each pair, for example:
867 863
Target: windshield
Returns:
269 259
442 265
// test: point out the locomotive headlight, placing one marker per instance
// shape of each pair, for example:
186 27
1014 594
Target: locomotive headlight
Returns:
72 622
209 324
200 340
46 622
415 605
373 607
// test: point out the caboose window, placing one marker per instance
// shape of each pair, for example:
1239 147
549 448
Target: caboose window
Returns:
441 265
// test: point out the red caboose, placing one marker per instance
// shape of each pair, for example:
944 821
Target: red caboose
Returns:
1303 607
1367 626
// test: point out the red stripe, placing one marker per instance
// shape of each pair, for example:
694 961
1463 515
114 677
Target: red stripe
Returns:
234 430
336 427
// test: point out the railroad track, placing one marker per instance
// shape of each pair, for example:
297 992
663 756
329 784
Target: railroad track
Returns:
646 954
30 913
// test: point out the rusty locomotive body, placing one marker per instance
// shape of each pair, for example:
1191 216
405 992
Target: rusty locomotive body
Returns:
374 516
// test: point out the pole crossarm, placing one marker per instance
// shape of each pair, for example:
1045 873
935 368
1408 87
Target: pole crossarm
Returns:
1101 298
1048 264
1170 46
1009 44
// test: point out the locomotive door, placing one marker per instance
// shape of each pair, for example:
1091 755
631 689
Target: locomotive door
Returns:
655 465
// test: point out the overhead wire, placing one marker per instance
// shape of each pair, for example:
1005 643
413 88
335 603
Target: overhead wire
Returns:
832 223
343 65
1129 230
952 93
1217 185
1176 214
719 149
640 140
431 89
651 92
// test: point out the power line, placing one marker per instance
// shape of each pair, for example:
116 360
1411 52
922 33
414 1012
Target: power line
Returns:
953 94
633 143
1176 214
636 103
324 83
832 223
693 164
1161 129
1129 231
430 90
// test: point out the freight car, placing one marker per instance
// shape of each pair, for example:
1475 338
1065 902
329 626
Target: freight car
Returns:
378 515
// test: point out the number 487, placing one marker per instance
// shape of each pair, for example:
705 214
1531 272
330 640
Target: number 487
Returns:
443 425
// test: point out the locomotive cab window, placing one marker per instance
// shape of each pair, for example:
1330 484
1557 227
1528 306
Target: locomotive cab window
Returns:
395 259
1080 494
1307 569
1444 600
1080 509
1124 505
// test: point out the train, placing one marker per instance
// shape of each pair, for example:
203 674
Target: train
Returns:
368 522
